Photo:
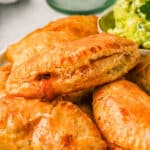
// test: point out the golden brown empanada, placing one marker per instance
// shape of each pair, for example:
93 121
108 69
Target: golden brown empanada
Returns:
36 125
141 74
50 36
122 112
78 65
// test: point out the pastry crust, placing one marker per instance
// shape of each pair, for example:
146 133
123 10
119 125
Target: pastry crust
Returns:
50 36
80 25
4 73
78 65
32 125
122 110
75 97
141 74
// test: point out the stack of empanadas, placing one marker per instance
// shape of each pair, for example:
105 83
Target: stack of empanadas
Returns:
46 91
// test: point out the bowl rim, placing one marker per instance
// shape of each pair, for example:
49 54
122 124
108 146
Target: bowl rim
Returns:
105 12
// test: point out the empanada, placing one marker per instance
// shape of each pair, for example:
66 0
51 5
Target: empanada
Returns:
78 65
36 125
122 112
50 36
141 74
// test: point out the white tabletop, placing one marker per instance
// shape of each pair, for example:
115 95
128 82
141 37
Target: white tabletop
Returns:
16 20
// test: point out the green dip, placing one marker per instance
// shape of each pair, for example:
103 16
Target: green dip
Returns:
132 21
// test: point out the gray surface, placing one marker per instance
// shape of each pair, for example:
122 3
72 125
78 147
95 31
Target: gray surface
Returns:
16 20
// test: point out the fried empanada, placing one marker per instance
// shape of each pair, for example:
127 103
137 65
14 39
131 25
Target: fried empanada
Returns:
122 112
79 65
50 36
141 74
36 125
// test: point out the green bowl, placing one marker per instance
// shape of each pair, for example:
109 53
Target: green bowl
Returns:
80 6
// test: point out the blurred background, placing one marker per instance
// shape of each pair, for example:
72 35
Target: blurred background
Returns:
19 17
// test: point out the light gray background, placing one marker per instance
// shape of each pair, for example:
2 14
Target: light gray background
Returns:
16 20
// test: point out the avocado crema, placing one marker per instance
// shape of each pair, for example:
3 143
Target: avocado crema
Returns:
132 21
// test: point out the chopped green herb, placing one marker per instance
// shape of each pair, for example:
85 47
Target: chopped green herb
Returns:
145 9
